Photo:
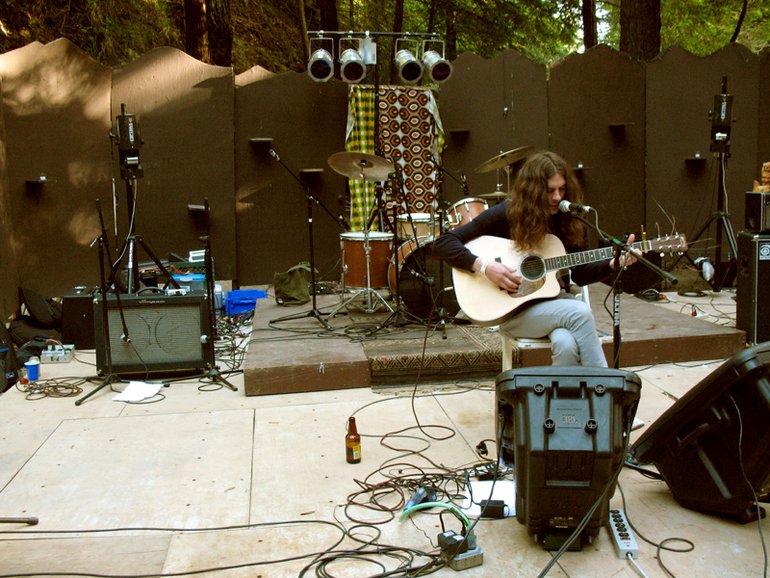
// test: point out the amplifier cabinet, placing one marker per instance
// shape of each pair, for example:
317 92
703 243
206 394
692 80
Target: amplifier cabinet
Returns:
753 286
77 317
757 211
151 333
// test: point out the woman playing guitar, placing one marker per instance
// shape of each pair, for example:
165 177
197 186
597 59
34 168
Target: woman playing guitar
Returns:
532 219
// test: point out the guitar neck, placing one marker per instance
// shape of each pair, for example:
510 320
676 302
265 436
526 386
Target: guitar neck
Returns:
585 257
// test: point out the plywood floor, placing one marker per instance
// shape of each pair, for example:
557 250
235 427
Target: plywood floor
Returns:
205 478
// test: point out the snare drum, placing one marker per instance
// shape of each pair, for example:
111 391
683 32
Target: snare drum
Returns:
353 247
424 225
464 211
424 283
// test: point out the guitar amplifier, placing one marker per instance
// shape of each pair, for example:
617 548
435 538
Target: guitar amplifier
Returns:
150 333
753 286
757 211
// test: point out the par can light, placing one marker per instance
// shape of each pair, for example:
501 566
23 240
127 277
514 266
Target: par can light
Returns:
320 67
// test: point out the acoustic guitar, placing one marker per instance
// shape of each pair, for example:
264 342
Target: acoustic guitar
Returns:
487 304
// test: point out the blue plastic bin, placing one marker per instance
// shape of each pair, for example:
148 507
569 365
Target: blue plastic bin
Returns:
243 300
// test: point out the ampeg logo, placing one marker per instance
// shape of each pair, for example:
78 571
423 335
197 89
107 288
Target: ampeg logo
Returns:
764 251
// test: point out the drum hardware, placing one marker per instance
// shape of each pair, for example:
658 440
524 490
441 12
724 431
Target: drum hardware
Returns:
364 167
310 200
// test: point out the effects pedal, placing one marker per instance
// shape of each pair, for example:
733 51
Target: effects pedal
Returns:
622 537
57 354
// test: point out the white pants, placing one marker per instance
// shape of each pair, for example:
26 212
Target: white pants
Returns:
568 323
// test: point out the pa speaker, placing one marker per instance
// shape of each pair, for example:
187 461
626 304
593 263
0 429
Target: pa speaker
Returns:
712 447
143 334
565 430
753 286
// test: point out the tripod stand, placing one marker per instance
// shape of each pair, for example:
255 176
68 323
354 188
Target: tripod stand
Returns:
310 199
721 126
128 141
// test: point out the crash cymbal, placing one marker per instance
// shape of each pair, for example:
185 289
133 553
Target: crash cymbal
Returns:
504 159
496 195
353 165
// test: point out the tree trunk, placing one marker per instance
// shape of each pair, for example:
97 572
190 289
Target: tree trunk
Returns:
328 10
220 32
303 25
196 42
589 24
640 28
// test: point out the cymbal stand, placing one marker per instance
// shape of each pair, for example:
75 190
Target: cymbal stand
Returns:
372 298
311 199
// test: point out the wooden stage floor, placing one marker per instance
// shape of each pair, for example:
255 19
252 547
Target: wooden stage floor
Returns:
316 352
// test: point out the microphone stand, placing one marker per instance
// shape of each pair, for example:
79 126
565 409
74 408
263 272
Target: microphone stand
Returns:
620 247
314 312
110 376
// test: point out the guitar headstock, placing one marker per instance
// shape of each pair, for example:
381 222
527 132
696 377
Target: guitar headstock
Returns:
669 244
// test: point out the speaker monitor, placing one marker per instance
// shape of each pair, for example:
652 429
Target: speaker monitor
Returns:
753 286
77 317
151 333
565 430
757 205
712 447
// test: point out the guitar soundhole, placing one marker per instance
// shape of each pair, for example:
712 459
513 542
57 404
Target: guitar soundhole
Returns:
532 267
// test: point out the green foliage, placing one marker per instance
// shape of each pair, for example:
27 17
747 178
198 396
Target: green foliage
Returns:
267 32
113 32
699 26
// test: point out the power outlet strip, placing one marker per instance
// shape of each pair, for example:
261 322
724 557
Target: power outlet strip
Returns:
57 354
622 537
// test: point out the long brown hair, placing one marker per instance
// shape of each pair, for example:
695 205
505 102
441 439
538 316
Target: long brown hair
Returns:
529 212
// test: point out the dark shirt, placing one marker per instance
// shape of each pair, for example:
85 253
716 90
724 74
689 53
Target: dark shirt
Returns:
450 246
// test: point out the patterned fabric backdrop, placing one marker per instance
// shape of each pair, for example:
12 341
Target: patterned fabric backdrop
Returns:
410 134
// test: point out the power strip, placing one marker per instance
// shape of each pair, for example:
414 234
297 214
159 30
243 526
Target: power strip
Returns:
622 537
57 354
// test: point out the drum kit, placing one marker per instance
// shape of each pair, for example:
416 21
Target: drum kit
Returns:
400 260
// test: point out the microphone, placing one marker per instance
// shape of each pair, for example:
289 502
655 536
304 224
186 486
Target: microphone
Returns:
464 182
274 154
567 207
427 279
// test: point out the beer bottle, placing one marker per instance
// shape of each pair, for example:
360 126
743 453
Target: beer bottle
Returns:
352 443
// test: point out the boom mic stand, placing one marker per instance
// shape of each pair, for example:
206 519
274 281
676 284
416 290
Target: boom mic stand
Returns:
617 247
311 199
110 376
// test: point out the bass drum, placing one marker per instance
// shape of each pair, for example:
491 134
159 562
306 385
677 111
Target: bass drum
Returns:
424 281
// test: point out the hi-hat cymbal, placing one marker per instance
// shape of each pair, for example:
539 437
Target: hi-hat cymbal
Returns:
361 165
504 159
496 195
